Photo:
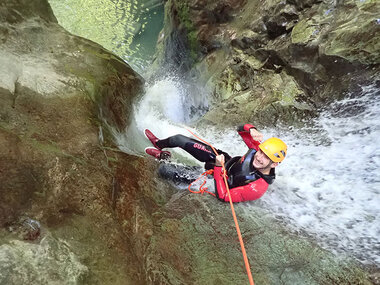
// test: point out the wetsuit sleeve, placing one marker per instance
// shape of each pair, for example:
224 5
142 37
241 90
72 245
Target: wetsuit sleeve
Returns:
249 192
246 136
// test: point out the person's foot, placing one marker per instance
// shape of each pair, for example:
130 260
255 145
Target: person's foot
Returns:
158 154
153 139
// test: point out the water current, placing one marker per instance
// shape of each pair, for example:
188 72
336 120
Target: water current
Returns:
328 186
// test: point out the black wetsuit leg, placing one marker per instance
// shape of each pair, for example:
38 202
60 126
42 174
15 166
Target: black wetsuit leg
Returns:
197 149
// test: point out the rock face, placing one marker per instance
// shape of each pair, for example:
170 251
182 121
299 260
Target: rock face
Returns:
54 168
22 262
74 210
273 61
191 239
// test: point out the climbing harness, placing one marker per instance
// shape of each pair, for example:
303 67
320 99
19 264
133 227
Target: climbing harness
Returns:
246 262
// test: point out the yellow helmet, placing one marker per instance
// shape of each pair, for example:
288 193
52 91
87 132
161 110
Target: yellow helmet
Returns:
274 148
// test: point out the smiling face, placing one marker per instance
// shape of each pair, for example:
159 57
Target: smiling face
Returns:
262 162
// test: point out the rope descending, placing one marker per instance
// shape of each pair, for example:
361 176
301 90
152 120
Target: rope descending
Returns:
246 262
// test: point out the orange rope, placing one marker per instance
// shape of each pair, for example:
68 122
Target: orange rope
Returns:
201 188
246 262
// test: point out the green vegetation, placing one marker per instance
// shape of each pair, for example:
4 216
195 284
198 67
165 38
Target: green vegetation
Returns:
185 19
303 32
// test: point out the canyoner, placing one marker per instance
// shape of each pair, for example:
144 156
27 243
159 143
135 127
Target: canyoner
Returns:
237 179
247 176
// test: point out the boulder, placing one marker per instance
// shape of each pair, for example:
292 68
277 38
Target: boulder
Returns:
327 49
74 205
61 96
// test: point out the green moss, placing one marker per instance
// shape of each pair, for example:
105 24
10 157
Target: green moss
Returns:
97 54
112 159
4 126
91 83
356 40
171 225
185 19
368 5
192 37
52 148
302 32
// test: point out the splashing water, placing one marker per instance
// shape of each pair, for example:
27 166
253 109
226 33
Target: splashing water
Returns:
164 109
327 188
329 185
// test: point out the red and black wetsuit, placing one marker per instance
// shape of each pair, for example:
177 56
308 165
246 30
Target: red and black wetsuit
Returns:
197 149
244 181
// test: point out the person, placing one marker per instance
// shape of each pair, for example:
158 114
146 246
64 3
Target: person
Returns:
248 176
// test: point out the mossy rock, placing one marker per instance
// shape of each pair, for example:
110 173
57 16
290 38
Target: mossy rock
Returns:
303 32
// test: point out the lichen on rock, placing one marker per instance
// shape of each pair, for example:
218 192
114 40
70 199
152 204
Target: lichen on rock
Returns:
303 32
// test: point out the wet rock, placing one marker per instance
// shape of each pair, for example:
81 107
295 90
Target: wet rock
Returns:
270 62
47 262
56 92
26 229
193 29
303 32
328 48
375 277
54 169
191 241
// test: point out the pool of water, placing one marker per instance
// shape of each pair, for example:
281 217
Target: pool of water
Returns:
128 28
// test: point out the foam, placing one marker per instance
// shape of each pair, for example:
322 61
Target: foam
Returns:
330 188
327 187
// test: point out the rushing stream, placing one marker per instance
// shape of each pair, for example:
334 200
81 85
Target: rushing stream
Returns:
329 185
327 188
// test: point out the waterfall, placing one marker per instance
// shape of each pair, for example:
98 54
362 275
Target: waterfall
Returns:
165 109
328 186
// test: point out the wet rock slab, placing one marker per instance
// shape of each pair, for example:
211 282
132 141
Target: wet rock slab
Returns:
57 93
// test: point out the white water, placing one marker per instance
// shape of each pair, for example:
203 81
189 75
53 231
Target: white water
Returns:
330 183
328 186
163 110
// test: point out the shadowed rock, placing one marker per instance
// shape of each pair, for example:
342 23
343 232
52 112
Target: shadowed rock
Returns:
56 92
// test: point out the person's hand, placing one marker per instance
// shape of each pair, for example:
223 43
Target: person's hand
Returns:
219 159
256 135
